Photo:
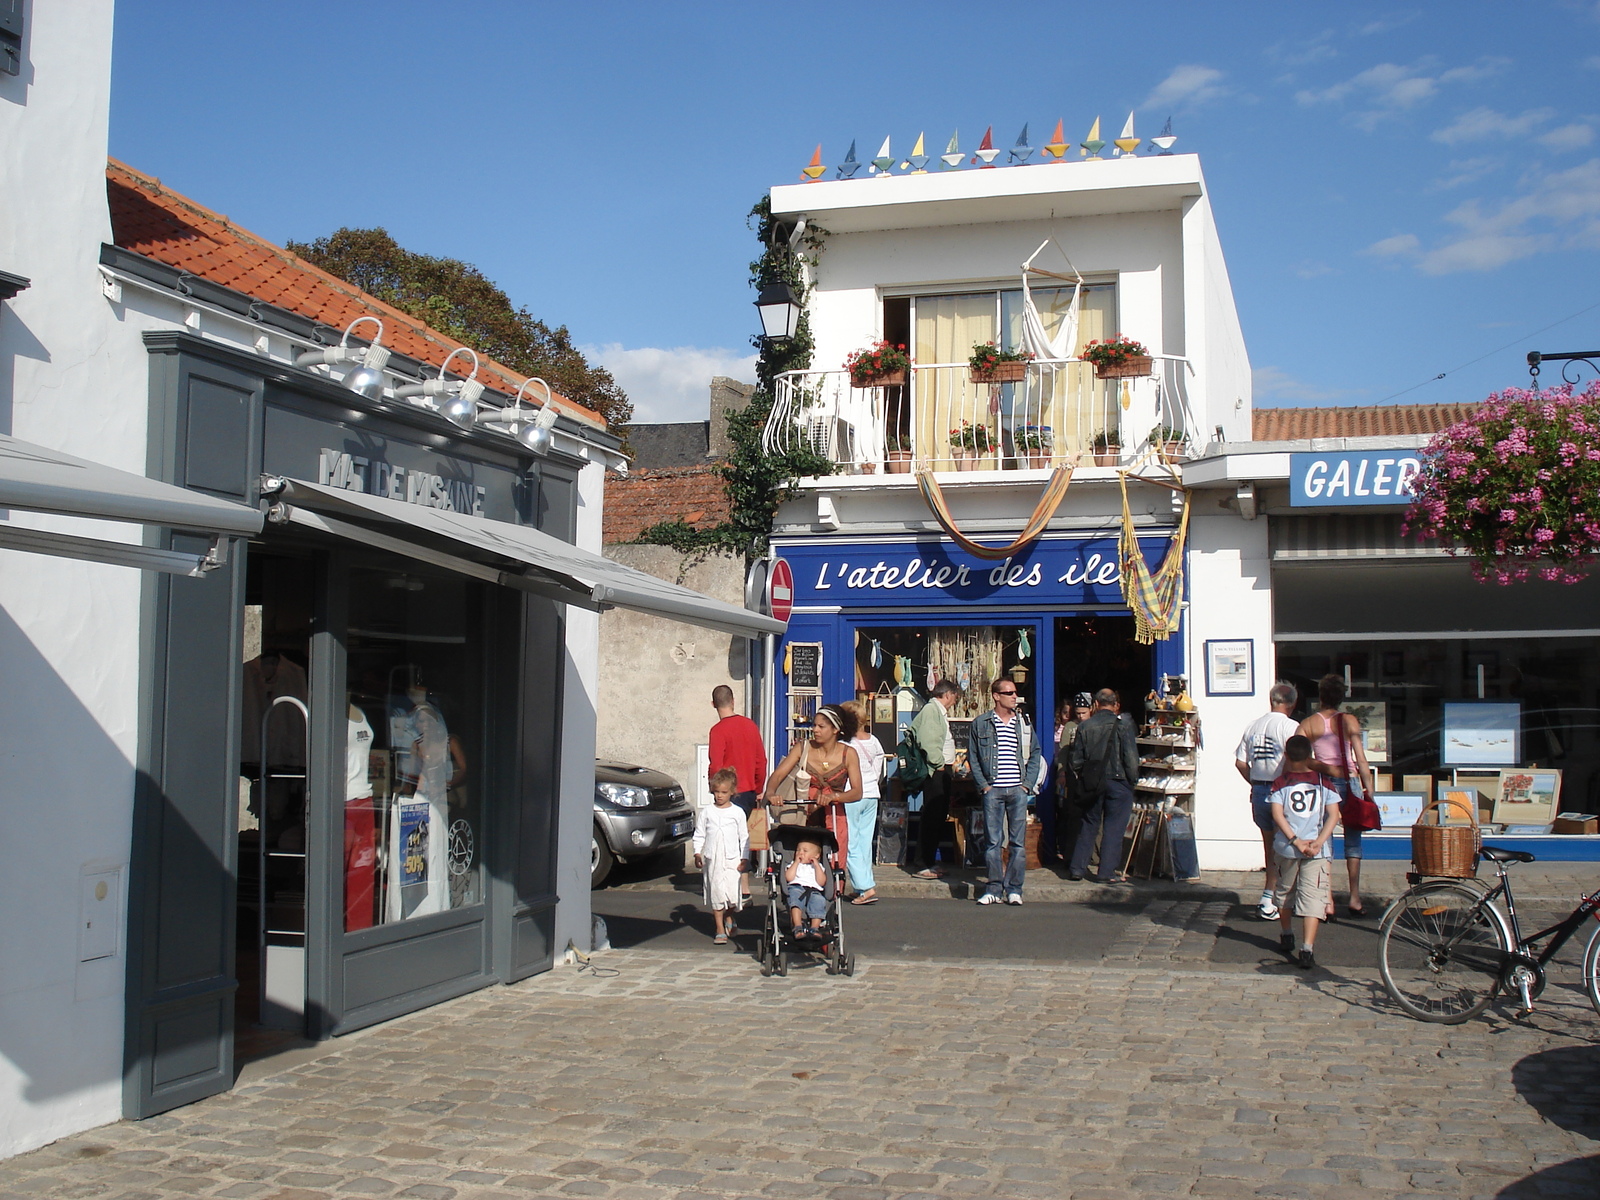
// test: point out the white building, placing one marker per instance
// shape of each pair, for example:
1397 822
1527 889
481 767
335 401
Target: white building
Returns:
935 262
301 672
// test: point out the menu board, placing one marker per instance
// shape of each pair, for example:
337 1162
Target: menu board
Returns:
805 668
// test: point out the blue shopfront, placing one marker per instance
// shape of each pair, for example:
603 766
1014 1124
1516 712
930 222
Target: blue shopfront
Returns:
881 620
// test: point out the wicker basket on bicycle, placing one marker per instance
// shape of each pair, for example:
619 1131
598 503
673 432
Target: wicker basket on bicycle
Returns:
1447 850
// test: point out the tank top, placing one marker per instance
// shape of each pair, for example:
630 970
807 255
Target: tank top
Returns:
1328 747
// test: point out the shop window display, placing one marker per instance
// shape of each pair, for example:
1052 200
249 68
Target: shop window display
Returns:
413 840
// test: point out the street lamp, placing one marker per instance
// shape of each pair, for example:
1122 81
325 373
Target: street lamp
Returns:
780 311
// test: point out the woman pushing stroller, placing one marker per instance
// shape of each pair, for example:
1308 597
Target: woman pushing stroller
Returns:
827 771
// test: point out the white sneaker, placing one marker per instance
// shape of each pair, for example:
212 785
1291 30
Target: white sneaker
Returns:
1014 898
1267 910
988 898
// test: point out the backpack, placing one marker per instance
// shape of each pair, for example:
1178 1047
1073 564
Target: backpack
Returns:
911 766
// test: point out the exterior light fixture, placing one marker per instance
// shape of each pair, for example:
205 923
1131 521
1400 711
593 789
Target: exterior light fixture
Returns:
367 377
780 311
462 407
529 426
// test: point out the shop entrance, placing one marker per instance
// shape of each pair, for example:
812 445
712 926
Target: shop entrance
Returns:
1098 650
274 735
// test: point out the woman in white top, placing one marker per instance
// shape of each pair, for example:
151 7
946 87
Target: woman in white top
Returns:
862 815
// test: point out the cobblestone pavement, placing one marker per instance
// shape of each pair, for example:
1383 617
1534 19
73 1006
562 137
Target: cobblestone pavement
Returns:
684 1075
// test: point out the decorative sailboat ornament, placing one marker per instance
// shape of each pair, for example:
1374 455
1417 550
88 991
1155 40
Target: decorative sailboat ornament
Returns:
1165 139
986 150
952 153
882 164
1056 147
814 169
918 162
1021 152
848 168
1127 143
1091 146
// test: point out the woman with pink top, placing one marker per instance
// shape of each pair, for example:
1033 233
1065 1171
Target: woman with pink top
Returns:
1342 762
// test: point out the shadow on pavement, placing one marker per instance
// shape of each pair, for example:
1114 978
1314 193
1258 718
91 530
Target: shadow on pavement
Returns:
1563 1085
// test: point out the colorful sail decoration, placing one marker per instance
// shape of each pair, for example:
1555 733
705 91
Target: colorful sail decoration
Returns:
986 148
952 153
918 160
1126 143
1056 147
1164 139
1091 146
848 168
814 169
1021 152
884 161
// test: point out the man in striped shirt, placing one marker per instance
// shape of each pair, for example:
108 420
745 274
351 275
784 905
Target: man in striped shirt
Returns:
1006 762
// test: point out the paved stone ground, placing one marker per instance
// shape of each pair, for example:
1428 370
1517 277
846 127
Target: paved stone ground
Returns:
669 1075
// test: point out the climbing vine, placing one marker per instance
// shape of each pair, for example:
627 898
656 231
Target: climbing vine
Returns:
757 481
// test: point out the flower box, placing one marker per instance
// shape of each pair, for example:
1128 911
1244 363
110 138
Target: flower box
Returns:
1107 458
1000 372
884 379
1135 366
1172 449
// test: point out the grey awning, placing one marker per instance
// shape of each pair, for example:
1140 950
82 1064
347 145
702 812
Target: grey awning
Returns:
1347 536
41 480
543 564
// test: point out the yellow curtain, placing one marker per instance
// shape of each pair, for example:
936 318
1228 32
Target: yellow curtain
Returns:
1071 401
947 328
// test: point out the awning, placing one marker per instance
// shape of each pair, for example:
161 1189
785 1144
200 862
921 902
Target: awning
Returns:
47 481
541 564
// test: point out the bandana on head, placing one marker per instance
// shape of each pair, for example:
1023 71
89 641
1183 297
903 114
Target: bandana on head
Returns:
835 717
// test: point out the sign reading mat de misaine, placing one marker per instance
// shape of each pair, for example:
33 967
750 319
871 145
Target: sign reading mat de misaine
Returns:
1351 478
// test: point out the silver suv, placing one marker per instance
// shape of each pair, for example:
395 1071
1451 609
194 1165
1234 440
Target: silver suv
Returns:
637 813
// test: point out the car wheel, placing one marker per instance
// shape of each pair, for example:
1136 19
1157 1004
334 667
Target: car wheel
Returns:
601 860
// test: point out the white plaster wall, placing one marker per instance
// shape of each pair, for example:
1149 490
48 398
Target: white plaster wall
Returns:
1231 599
68 631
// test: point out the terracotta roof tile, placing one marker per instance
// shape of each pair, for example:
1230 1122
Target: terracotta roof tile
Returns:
694 495
152 220
1394 420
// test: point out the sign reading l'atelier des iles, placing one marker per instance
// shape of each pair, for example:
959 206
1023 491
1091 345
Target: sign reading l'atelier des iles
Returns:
932 573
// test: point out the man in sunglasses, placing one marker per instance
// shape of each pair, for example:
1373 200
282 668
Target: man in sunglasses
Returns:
1003 752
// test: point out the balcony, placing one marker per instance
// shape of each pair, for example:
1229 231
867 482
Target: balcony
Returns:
1059 413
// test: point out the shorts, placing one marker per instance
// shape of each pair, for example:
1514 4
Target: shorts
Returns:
1352 837
1260 810
1308 881
808 900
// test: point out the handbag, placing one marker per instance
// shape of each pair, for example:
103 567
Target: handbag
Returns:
1356 811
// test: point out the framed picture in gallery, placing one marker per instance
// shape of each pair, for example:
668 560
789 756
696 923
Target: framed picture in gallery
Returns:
1399 809
1528 796
882 710
1374 718
1231 667
1394 664
1479 733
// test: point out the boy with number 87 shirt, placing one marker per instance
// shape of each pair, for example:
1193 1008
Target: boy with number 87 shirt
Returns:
1304 812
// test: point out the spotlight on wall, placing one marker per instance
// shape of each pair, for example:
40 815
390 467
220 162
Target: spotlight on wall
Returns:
367 377
530 426
1246 496
462 408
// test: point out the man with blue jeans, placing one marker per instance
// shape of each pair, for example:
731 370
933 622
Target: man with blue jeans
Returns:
1006 763
1259 759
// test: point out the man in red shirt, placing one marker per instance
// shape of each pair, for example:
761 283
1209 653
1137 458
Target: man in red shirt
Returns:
736 744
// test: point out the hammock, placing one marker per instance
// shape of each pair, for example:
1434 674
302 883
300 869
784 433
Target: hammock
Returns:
1154 598
1054 490
1034 338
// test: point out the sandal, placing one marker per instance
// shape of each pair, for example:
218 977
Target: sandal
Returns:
720 940
1357 913
868 898
929 873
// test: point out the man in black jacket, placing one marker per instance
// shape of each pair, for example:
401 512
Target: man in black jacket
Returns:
1105 762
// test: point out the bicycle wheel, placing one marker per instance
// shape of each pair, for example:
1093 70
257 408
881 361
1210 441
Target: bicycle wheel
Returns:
1591 969
1441 952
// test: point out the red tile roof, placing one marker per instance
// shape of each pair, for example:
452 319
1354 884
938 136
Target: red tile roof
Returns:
1394 420
695 495
150 219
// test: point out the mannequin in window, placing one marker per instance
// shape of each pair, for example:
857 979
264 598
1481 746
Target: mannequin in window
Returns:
360 823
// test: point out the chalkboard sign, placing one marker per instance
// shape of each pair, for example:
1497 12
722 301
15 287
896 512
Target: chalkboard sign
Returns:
805 668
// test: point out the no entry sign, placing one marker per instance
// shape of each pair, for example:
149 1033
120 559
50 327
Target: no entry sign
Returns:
780 591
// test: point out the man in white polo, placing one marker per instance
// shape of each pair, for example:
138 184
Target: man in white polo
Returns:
1259 759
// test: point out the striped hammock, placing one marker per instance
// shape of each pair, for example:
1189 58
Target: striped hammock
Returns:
1154 598
1054 490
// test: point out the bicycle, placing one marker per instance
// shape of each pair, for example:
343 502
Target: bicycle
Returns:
1445 950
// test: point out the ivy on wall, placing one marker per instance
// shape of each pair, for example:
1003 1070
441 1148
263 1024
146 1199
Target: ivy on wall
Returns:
756 481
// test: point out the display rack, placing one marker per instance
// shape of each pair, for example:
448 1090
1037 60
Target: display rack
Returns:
1167 742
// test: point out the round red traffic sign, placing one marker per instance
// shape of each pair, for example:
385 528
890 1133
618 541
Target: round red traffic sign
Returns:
780 590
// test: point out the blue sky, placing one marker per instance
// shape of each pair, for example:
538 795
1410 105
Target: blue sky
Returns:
1400 190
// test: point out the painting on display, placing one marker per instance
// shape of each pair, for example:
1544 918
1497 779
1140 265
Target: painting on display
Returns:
1399 810
1374 718
1481 734
1230 668
1527 797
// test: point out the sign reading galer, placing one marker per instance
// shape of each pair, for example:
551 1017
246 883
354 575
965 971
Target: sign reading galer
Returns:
1352 478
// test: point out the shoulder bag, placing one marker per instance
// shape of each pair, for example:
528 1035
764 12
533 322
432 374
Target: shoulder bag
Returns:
1357 811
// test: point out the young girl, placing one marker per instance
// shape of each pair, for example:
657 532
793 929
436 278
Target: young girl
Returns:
721 841
861 816
804 885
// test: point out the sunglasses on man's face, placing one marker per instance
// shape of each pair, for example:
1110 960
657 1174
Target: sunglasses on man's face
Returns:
1005 693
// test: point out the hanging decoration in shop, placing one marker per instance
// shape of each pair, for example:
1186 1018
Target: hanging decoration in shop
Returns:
877 653
1155 597
1055 489
1024 647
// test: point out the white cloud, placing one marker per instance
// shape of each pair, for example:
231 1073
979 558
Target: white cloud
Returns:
1390 88
670 385
1301 53
1270 383
1311 269
1398 246
1480 124
1187 85
1592 62
1467 170
1568 137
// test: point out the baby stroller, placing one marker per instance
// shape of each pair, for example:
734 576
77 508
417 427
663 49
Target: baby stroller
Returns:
777 933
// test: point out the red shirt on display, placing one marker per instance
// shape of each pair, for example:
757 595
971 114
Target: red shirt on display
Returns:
736 742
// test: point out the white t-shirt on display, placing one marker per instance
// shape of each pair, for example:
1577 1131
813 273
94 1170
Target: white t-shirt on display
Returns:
357 756
1262 745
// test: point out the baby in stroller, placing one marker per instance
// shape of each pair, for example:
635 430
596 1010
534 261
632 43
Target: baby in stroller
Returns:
804 900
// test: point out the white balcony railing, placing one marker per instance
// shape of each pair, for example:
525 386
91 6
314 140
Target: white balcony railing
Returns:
1058 413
